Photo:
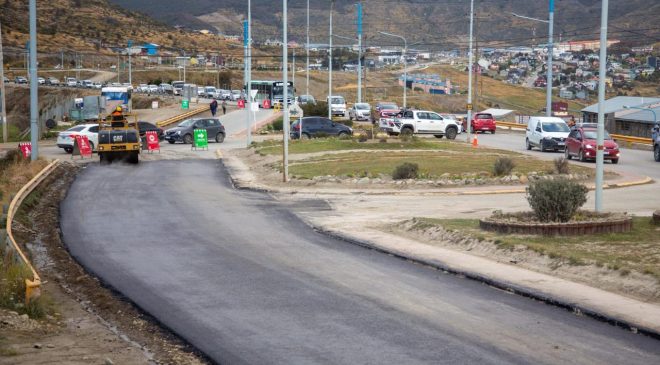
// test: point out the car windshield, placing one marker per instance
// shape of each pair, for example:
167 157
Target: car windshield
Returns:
594 135
75 129
186 123
555 127
337 101
362 106
389 106
484 116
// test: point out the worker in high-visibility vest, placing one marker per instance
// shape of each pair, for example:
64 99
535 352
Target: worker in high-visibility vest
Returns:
118 113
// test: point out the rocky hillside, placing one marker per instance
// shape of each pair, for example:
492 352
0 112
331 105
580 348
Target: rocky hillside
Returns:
436 23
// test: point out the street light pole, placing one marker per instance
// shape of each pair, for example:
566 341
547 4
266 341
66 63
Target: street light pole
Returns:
130 70
245 80
548 97
34 85
332 6
405 66
248 85
3 109
468 124
359 33
600 140
307 51
285 96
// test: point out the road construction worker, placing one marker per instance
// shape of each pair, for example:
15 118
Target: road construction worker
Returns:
118 113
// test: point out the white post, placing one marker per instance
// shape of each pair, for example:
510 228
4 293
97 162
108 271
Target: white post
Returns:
248 86
600 140
332 6
405 74
285 82
307 51
34 84
470 61
359 70
548 97
3 108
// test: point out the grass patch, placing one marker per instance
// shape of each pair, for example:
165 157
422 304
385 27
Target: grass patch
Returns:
431 164
638 250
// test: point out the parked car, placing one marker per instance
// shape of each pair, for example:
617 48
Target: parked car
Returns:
482 122
145 127
87 84
224 94
66 138
581 143
20 80
152 89
184 131
384 110
546 133
306 99
97 85
236 94
360 111
166 88
656 142
71 82
210 91
316 126
422 122
337 105
143 88
52 81
41 81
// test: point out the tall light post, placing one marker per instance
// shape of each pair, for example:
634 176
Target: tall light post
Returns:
246 81
468 124
3 111
405 66
248 84
550 21
34 85
285 85
359 34
332 7
600 139
307 51
130 69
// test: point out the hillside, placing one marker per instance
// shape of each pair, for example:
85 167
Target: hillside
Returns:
91 25
436 23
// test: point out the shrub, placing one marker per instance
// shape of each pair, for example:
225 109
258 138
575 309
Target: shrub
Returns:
362 138
278 124
383 140
562 166
503 166
556 200
406 170
408 138
315 110
345 137
348 123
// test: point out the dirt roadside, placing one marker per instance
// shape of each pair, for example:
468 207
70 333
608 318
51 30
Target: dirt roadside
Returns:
89 323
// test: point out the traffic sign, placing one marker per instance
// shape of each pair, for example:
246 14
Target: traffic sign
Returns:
81 146
254 107
241 103
267 104
201 139
254 93
26 149
185 104
152 141
469 107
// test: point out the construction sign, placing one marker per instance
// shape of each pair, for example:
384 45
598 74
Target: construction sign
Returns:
201 139
241 104
81 146
267 104
26 149
185 104
152 141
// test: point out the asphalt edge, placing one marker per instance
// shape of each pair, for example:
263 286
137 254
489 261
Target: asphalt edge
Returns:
498 284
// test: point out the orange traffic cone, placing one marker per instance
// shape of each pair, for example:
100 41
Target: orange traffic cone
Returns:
475 141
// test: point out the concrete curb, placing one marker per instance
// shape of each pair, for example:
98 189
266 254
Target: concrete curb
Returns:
525 291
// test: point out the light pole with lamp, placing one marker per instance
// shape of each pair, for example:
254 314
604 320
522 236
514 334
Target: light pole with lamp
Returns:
405 66
550 22
332 7
600 138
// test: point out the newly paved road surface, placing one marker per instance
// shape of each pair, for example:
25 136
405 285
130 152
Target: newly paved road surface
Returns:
239 276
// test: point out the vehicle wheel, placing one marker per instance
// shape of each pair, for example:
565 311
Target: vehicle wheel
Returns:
566 154
341 134
134 157
68 149
581 156
527 144
350 117
220 137
91 145
656 153
439 136
615 161
492 132
170 142
188 139
541 146
406 131
305 136
451 133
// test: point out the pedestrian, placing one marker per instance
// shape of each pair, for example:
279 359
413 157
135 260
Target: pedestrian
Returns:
224 107
571 123
214 107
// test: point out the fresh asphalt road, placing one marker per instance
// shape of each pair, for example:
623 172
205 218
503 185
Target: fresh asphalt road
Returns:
241 278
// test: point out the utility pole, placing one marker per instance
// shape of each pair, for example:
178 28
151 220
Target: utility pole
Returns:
285 96
3 108
332 7
130 71
548 97
34 85
600 140
245 80
470 61
248 86
359 34
307 51
293 67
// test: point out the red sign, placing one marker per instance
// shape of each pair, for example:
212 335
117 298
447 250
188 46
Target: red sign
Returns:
152 141
241 103
267 104
26 148
83 145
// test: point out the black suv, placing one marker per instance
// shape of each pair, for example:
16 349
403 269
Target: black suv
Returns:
184 131
317 127
145 127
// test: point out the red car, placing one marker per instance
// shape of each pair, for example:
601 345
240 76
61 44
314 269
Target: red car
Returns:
384 110
482 122
581 143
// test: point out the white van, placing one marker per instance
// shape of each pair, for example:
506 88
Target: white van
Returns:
337 105
546 133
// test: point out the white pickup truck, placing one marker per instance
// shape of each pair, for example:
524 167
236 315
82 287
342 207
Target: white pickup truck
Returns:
421 122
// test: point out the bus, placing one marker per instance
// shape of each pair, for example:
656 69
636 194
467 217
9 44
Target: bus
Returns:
272 91
117 96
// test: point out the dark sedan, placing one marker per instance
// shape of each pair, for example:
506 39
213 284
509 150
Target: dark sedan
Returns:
318 127
148 127
184 131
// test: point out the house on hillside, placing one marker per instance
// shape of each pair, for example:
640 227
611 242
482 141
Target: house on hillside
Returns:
626 115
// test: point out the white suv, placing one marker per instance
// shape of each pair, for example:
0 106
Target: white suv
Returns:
423 122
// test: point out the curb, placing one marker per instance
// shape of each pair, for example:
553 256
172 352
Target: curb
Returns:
495 283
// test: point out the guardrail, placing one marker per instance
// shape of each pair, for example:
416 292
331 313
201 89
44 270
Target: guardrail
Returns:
32 287
181 117
511 125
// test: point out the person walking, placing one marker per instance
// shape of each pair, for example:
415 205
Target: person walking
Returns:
224 107
214 107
